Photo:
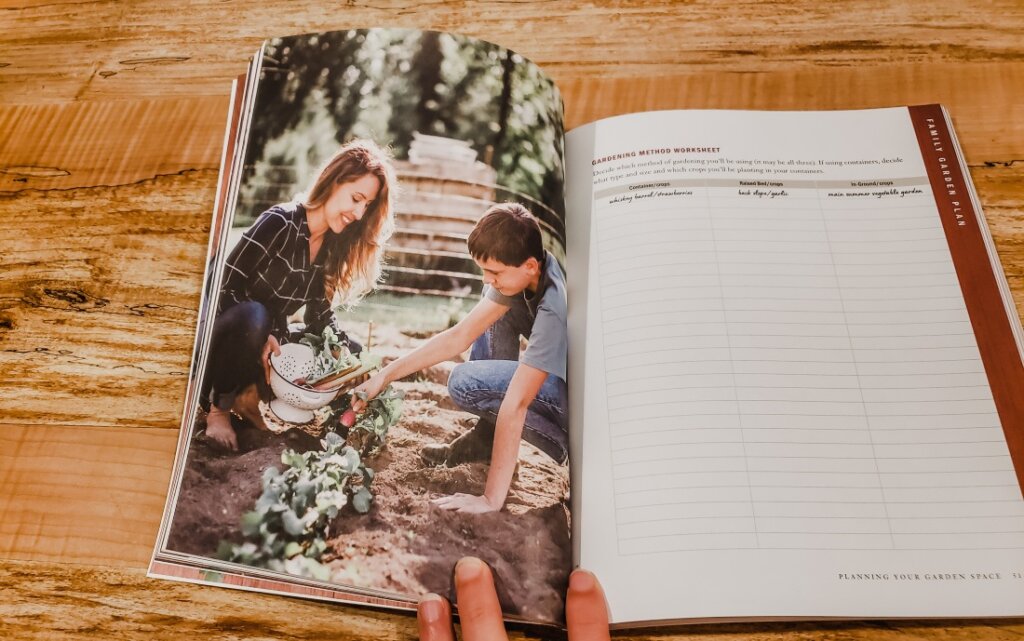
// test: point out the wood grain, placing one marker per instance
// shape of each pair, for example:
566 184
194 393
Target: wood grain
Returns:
101 50
971 91
77 494
60 601
112 117
98 299
106 144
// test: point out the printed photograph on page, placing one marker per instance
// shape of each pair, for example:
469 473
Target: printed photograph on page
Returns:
392 290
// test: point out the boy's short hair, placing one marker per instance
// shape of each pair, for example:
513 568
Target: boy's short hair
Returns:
507 233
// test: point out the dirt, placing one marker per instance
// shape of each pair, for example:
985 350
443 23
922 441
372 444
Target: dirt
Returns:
218 488
404 545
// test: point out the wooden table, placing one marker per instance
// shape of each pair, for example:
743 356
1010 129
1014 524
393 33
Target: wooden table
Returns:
111 120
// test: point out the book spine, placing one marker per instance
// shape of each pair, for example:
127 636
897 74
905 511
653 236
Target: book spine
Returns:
979 273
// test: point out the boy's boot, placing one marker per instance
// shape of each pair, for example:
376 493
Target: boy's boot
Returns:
471 446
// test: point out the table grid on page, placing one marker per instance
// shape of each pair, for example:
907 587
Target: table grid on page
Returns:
793 367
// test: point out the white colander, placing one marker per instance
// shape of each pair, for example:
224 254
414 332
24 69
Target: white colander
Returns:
294 404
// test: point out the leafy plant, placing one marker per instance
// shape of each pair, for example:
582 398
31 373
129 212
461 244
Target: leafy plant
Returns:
381 413
367 432
331 355
288 529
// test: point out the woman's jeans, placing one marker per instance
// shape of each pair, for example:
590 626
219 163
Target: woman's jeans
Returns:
239 335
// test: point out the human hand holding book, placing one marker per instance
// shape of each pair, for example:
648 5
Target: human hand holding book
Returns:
480 613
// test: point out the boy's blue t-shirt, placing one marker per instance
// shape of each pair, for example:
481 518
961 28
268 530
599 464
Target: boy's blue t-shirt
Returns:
548 342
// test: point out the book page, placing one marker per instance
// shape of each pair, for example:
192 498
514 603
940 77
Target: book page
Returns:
786 411
366 153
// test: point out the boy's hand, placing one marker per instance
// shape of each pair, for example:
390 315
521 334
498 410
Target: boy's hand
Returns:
466 503
586 612
371 388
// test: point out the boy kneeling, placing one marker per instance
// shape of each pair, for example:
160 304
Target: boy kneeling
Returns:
514 396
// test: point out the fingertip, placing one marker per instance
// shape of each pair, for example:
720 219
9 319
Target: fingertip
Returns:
434 619
582 581
431 608
586 609
479 608
470 568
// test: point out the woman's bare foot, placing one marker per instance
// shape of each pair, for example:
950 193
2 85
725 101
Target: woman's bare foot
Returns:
247 404
218 428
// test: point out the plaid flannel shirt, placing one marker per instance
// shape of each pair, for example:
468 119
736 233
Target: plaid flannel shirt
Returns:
270 265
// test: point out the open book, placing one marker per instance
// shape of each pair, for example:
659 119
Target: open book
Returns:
794 363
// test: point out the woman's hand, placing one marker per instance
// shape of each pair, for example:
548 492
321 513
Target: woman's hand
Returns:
270 347
586 612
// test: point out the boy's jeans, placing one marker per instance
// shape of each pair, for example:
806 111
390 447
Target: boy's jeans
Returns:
479 386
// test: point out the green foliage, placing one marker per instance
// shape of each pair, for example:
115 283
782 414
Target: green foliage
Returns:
381 413
331 355
369 432
288 529
331 66
317 91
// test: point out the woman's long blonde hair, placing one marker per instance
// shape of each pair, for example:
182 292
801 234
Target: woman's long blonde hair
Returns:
354 259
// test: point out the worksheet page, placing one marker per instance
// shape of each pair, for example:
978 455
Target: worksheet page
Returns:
785 411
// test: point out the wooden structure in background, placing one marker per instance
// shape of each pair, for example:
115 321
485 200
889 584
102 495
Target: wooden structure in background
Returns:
444 190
